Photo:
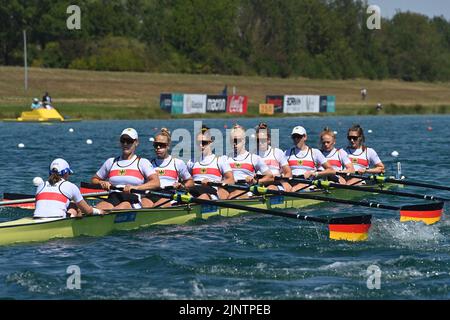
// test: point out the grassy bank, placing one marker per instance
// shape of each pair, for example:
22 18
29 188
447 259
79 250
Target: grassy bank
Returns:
127 95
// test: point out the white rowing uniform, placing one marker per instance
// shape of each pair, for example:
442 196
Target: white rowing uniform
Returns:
274 159
246 165
53 201
363 158
170 170
121 172
211 167
301 161
337 158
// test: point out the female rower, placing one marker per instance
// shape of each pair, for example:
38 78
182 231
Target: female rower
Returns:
128 171
304 160
245 165
274 158
209 168
337 158
53 196
363 158
172 172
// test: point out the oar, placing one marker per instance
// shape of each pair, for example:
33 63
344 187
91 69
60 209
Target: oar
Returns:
328 184
30 200
382 179
427 213
350 228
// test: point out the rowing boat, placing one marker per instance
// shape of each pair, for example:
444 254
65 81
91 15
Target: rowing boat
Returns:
34 230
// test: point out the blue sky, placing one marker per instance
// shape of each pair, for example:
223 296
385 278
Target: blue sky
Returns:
428 7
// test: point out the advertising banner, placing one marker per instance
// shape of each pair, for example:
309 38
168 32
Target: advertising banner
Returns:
216 103
331 103
323 103
194 103
277 102
266 108
165 102
301 104
237 104
177 103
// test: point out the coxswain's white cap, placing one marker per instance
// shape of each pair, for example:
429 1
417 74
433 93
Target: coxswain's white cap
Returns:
61 166
299 130
130 132
35 100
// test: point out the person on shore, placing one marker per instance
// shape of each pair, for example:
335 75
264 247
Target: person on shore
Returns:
172 172
128 171
305 160
36 104
337 158
363 158
363 93
209 168
54 196
245 165
274 158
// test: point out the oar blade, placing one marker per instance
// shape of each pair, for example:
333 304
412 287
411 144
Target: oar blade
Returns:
352 228
428 213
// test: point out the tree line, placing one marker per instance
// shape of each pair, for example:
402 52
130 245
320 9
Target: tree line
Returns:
325 39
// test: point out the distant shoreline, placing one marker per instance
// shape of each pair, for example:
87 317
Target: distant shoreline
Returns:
91 95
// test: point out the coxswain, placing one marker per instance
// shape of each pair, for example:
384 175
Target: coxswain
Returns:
54 196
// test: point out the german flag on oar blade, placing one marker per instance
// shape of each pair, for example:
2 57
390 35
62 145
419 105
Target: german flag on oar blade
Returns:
429 213
354 228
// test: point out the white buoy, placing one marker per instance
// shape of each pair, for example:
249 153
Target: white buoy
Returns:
253 136
21 145
394 154
71 130
89 141
335 132
38 181
369 131
151 139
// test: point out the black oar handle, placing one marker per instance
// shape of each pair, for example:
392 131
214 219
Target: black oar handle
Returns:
381 179
326 184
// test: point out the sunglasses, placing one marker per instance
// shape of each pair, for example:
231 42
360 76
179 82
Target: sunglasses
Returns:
297 136
351 138
203 143
126 141
159 145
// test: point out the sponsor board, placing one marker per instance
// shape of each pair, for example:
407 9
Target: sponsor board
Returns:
216 103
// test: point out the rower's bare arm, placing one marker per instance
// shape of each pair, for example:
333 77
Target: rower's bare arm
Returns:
97 180
87 209
228 178
379 168
267 178
286 171
151 184
349 168
329 171
189 183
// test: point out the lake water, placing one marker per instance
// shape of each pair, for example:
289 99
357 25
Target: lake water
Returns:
249 257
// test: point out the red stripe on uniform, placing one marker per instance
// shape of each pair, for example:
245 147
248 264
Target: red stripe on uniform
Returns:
335 163
352 228
361 162
272 162
303 163
421 214
126 173
245 166
51 196
212 171
167 173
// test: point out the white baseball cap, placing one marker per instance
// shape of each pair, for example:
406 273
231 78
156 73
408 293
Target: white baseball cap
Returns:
299 130
61 166
130 132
